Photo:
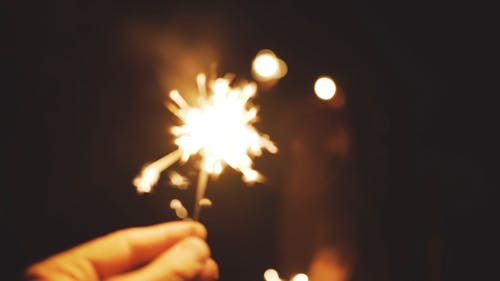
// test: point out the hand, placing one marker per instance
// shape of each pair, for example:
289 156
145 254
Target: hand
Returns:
173 251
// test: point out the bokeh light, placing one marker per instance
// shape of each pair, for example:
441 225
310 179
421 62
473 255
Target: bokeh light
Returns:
271 275
266 66
325 88
300 277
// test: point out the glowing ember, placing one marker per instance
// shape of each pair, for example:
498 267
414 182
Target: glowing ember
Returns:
219 129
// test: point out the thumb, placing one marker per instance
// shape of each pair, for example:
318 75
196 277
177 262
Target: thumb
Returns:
182 262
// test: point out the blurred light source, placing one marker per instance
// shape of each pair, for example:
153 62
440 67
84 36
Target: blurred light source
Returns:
325 88
267 66
300 277
271 275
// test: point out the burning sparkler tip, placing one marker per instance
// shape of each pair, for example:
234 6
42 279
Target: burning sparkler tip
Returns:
218 129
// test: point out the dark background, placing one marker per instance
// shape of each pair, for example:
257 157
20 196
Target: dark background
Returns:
84 112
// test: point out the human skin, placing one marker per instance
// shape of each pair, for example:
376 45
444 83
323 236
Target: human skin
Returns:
173 251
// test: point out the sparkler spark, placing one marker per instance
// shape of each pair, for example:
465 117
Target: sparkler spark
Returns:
219 128
177 180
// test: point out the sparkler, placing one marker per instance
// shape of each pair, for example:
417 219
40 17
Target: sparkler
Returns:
218 128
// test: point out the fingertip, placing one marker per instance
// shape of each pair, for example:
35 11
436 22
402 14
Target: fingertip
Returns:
209 272
196 246
196 228
199 230
127 248
184 261
212 266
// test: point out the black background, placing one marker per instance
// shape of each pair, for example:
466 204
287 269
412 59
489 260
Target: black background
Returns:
84 113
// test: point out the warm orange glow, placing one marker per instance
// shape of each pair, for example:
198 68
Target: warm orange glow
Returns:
325 88
267 66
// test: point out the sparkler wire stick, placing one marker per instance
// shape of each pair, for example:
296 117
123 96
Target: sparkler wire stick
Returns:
200 192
